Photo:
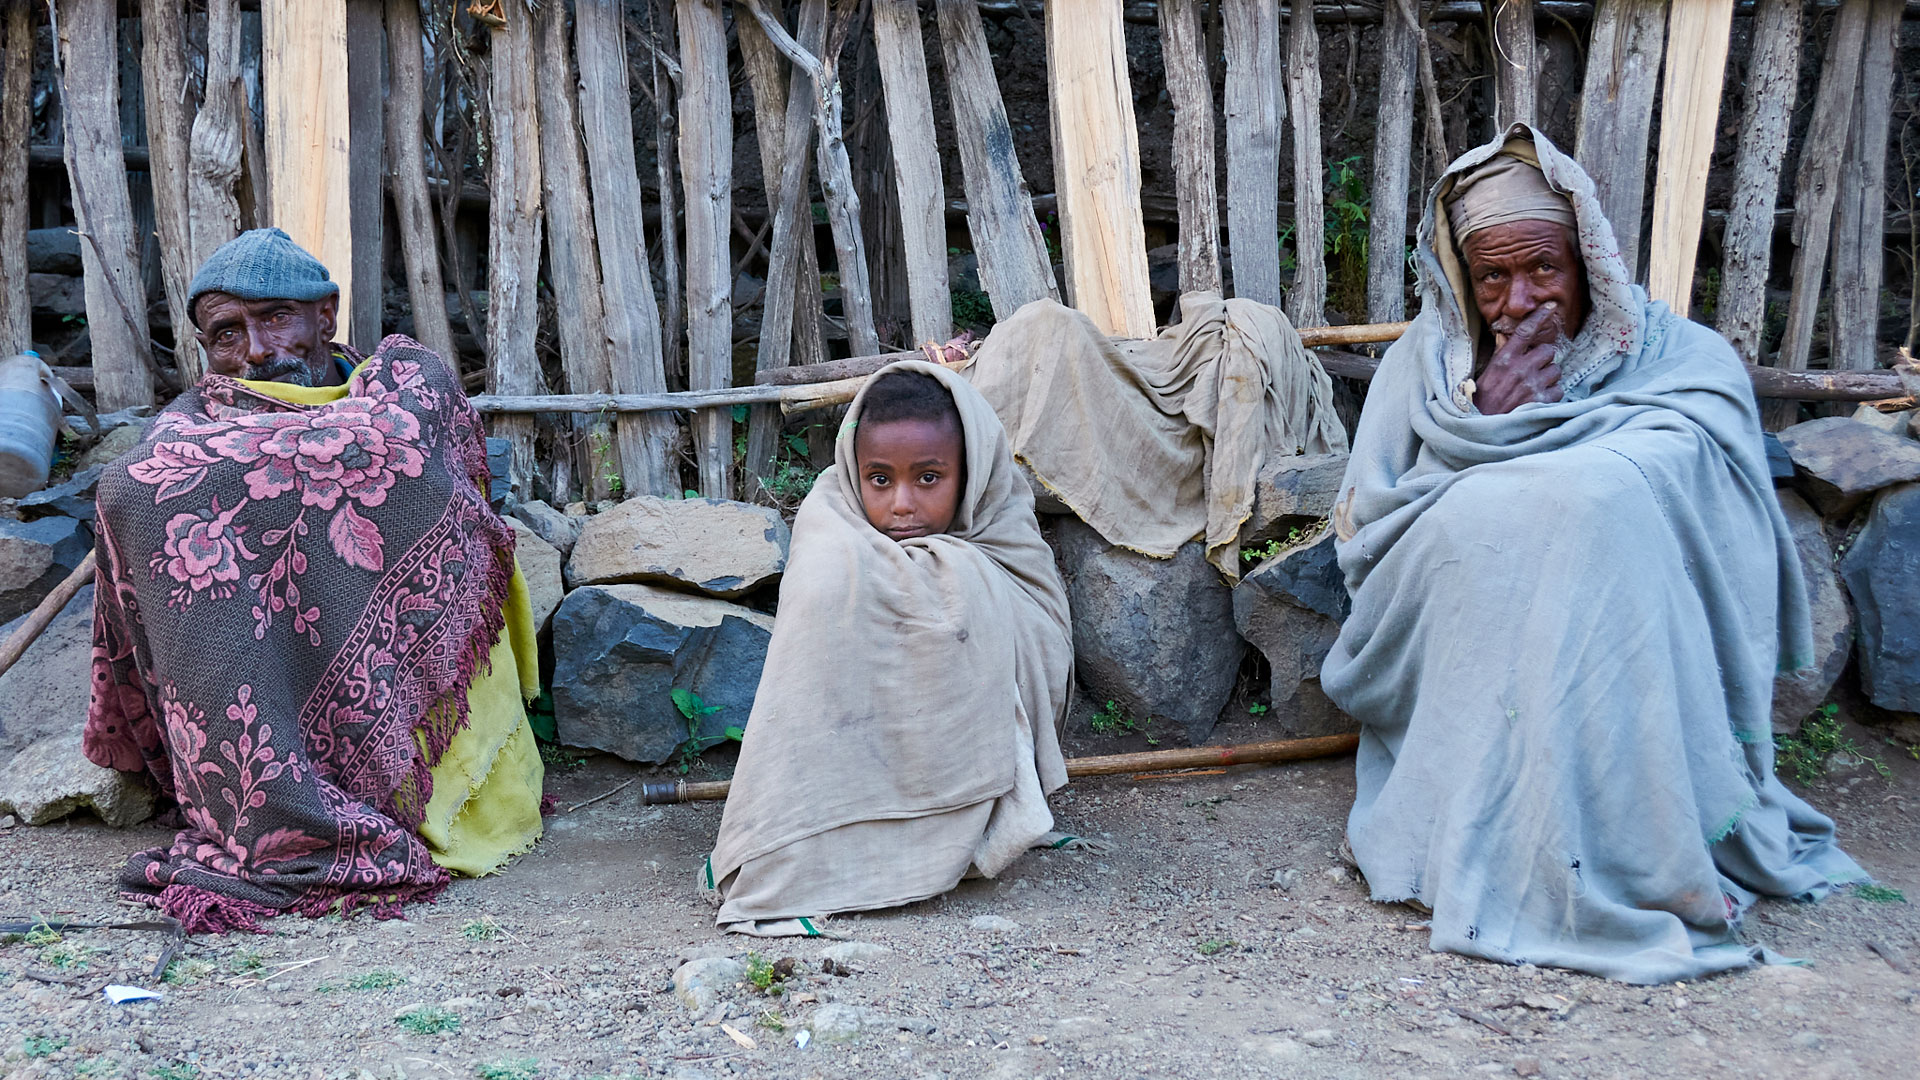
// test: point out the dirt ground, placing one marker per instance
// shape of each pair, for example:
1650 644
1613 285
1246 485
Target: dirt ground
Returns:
1220 936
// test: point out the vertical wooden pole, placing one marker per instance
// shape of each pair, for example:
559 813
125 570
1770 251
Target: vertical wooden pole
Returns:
513 235
215 142
1516 66
666 153
407 178
1014 267
1616 112
1096 155
1859 218
16 117
1817 187
916 168
308 143
163 70
632 318
836 177
573 261
1197 191
1773 78
1307 302
1697 35
1255 109
706 171
366 171
102 210
1392 164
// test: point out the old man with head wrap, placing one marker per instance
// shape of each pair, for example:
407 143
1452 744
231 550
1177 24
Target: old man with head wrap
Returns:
309 631
1572 588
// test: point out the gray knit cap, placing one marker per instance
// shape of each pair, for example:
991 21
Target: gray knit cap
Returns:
261 264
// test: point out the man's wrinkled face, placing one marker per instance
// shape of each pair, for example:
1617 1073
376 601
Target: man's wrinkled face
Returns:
283 341
1520 265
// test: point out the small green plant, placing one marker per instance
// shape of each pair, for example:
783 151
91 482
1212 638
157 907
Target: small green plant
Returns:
540 718
247 961
186 972
601 450
692 709
771 1020
96 1066
63 955
1804 754
482 929
179 1070
428 1020
1109 720
971 308
517 1069
376 980
39 1046
1880 894
555 756
1214 946
1709 292
1295 535
790 482
763 976
1257 709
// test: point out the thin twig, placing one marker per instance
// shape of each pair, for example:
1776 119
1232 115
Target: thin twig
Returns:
603 795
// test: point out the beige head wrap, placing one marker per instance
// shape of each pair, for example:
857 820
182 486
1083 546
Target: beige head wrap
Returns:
1502 190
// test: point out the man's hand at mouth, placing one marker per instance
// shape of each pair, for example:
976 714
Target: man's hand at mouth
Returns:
1522 367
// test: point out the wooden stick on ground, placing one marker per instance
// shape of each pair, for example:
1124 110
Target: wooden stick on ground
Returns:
1194 757
50 605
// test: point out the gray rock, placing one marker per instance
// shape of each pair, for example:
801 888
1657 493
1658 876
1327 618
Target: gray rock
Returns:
550 525
72 499
1044 501
700 984
53 251
57 293
855 953
1779 463
1292 489
113 444
837 1023
1319 1037
52 778
1154 636
993 924
1893 423
1839 461
1799 693
1880 570
721 548
1290 607
35 556
621 650
46 692
499 473
540 565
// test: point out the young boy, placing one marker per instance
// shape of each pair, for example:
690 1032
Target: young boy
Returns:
905 731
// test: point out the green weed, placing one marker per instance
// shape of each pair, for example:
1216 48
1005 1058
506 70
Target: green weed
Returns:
1348 211
1295 535
555 756
1804 754
483 929
1880 894
1109 720
39 1046
428 1020
43 935
96 1066
762 976
376 980
179 1070
186 972
972 309
771 1020
68 956
517 1069
247 961
1214 946
692 709
1257 709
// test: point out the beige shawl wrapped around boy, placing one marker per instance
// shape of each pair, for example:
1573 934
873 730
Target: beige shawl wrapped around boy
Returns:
906 729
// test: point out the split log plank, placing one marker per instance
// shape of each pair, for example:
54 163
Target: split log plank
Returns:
16 118
706 172
1307 301
902 57
309 134
1697 38
1816 189
407 178
169 104
1392 167
1096 152
1198 193
1012 251
666 78
1859 218
366 174
1255 109
572 248
103 211
1516 65
513 234
1773 77
215 143
1616 113
1435 124
635 362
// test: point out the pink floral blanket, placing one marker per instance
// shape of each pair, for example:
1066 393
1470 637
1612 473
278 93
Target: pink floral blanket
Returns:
287 594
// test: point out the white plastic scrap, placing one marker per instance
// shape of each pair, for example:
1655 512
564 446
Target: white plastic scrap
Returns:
120 995
801 1040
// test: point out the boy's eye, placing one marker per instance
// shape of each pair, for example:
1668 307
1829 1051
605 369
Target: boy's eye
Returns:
877 480
929 478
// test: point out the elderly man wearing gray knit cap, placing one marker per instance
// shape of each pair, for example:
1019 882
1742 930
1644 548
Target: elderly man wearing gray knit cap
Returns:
266 310
1572 587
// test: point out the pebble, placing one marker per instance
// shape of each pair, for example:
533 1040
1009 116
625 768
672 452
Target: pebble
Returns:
1807 1040
699 983
854 952
993 924
8 821
1320 1037
1526 1066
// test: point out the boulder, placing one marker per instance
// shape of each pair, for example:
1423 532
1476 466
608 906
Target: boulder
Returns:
699 984
73 499
57 294
53 251
499 474
1044 501
1799 693
1290 490
621 650
1893 423
1154 636
35 556
52 778
721 548
550 525
113 444
1880 570
46 691
1840 461
1779 464
1290 607
540 565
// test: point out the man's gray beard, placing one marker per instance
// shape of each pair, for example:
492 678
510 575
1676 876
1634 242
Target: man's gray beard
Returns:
288 370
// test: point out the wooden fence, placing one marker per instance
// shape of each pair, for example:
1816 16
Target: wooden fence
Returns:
549 192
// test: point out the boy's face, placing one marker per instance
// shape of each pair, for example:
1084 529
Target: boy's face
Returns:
912 473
